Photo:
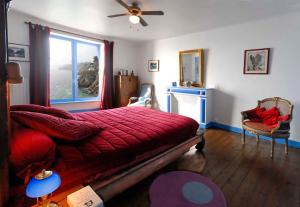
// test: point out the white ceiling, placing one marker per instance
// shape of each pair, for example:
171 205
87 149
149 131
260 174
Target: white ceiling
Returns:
181 16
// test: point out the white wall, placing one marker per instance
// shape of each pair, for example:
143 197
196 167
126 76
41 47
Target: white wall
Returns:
125 53
223 60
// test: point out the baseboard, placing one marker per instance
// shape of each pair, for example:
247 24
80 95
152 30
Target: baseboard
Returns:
206 126
292 143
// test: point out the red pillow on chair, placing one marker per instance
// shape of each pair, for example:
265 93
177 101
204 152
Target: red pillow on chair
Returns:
259 111
66 129
255 113
270 116
271 121
42 109
30 151
283 118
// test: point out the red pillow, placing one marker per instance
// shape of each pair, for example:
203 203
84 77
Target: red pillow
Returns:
283 118
271 121
270 117
30 151
42 109
66 129
255 113
259 111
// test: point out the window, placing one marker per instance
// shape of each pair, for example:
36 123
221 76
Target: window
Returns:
74 69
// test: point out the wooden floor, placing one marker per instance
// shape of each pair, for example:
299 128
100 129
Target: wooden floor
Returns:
246 174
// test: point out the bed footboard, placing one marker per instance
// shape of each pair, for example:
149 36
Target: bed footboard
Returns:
117 184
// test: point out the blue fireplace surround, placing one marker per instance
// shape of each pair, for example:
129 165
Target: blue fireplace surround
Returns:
202 93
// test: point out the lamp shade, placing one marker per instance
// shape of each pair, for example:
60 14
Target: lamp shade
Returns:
40 187
14 75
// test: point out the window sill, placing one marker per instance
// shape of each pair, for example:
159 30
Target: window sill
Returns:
73 102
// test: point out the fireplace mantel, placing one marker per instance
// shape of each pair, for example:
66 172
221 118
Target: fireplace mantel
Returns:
192 102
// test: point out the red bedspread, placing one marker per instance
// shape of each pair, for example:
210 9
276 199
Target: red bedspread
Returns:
130 135
133 130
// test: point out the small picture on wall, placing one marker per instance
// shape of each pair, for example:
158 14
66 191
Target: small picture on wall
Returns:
153 65
256 61
18 52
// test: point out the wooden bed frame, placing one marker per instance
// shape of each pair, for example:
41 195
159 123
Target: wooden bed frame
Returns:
110 187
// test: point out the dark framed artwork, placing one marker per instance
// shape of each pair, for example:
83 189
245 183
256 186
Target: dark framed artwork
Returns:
256 61
18 52
153 65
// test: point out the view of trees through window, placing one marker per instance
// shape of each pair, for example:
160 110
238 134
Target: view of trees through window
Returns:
88 70
74 70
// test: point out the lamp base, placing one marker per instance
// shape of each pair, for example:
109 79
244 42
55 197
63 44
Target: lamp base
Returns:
47 203
52 204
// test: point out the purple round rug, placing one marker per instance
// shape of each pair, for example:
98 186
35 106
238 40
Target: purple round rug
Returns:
185 189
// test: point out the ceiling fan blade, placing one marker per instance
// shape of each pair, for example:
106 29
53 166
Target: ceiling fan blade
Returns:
118 15
123 4
143 22
152 13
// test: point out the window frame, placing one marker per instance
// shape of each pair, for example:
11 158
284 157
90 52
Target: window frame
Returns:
74 41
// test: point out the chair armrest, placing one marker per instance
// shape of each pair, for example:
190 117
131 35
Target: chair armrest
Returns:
148 102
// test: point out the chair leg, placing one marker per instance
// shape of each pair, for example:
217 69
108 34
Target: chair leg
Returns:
244 135
286 146
272 147
257 139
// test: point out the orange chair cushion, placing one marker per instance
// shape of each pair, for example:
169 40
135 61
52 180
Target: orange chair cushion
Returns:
259 126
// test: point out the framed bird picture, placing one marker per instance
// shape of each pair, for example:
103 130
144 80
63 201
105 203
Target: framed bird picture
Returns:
256 61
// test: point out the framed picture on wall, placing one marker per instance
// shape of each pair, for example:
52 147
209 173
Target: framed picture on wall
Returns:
256 61
153 65
18 52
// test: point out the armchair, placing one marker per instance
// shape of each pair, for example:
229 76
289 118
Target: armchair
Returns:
279 130
144 98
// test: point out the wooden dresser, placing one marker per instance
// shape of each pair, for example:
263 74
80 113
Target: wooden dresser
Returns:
125 87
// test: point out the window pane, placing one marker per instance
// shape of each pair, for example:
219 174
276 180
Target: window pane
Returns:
88 70
60 69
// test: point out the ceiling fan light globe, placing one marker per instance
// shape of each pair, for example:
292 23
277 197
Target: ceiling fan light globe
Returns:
134 19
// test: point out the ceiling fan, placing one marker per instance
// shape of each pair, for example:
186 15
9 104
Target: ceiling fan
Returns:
135 13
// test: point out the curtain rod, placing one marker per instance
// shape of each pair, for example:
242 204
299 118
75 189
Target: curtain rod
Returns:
71 33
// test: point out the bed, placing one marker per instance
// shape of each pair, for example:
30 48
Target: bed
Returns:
128 145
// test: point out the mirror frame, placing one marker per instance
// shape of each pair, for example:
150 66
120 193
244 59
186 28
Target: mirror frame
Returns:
200 53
